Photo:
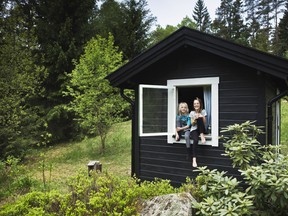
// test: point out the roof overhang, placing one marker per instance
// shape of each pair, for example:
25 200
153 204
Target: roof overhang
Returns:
260 61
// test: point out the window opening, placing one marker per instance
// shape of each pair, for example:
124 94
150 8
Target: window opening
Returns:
188 94
158 106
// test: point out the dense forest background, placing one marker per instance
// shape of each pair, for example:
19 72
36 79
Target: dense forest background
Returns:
55 54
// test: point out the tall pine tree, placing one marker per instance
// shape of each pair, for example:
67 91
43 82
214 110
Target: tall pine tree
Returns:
229 23
136 27
201 16
282 48
129 22
62 29
20 123
252 22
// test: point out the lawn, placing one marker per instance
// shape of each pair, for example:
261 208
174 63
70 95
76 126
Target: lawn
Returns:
54 165
284 126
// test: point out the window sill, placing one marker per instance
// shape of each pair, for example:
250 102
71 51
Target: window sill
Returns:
207 137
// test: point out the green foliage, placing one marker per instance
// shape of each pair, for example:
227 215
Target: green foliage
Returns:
13 178
281 46
201 16
221 195
106 194
101 194
242 145
20 80
269 183
229 23
186 21
284 126
97 104
135 28
129 22
62 29
36 203
161 33
263 169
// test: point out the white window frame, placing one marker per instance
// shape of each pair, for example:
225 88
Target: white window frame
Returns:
171 87
171 105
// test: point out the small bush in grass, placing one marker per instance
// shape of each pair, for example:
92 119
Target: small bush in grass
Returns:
101 194
13 178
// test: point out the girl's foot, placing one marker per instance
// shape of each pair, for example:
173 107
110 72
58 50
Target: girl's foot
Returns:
203 140
177 137
194 163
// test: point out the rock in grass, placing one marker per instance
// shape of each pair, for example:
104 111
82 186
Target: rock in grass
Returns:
168 205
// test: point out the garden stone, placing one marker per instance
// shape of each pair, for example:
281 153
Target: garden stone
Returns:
179 204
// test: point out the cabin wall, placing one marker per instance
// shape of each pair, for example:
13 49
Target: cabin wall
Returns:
241 98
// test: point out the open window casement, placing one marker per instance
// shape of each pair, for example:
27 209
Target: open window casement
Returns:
158 106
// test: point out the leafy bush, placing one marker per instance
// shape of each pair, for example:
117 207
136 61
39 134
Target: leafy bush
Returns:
101 194
13 178
263 168
269 184
221 195
241 144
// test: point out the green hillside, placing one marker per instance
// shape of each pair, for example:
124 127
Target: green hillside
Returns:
60 162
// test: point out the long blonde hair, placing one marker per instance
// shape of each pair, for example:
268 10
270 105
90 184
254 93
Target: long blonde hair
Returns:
179 110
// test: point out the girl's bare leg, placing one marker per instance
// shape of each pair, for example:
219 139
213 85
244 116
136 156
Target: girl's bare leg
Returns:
203 140
194 163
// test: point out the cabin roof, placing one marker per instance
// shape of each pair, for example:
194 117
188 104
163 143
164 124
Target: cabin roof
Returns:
261 61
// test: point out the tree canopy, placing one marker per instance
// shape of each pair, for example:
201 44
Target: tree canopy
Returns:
98 105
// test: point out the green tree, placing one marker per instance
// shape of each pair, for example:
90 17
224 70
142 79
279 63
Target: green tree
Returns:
97 104
186 21
129 22
222 24
201 16
62 28
265 17
281 48
229 23
161 33
108 20
20 79
136 27
252 22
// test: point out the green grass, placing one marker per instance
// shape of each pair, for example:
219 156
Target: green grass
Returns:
284 126
56 164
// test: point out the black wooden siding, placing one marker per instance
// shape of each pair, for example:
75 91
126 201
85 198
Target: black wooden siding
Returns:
241 98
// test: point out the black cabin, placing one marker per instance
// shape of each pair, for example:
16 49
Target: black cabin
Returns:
236 84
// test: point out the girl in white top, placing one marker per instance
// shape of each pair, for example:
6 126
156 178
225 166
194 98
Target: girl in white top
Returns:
198 119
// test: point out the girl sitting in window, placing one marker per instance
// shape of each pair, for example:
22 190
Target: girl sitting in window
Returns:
183 124
198 119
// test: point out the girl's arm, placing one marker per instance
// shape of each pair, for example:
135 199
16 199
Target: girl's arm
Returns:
203 115
189 122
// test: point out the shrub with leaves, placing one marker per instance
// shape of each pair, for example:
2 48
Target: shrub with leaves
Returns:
101 194
221 195
13 178
263 168
241 144
269 184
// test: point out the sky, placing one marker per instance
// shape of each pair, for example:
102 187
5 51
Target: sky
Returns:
171 12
